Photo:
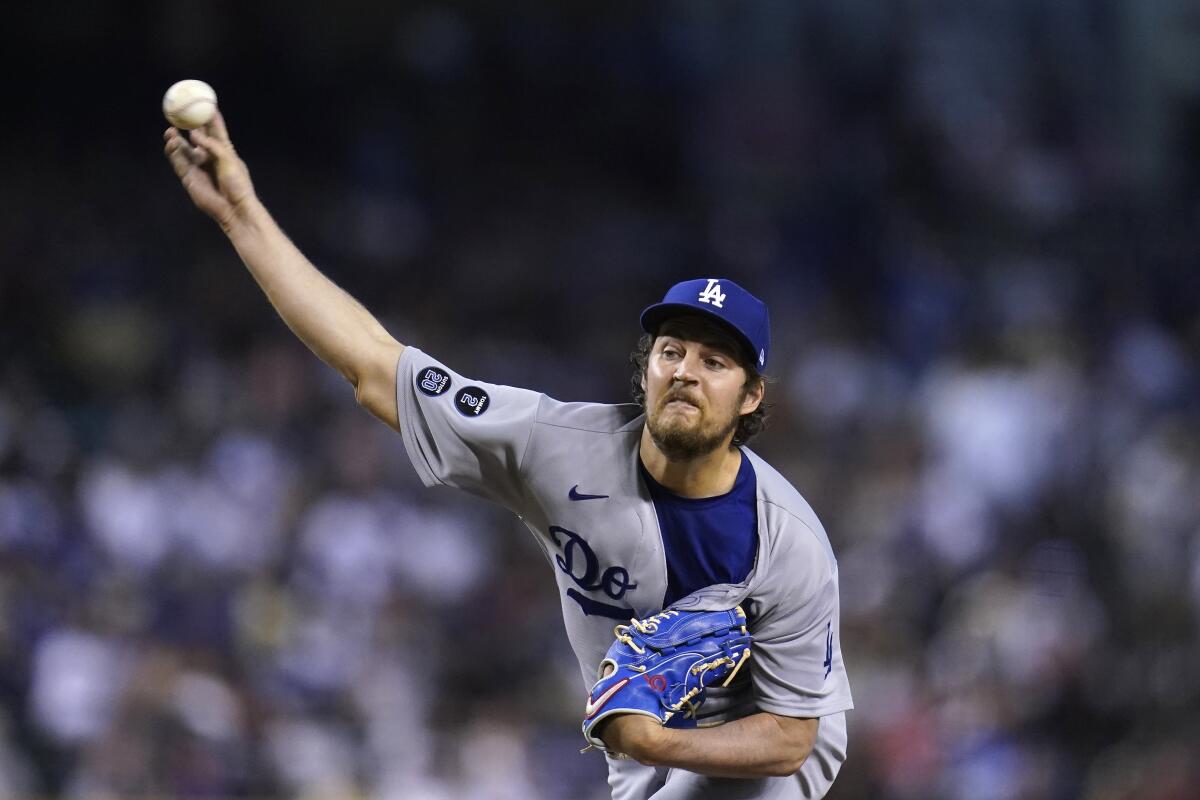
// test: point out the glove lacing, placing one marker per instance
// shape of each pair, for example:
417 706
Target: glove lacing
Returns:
648 625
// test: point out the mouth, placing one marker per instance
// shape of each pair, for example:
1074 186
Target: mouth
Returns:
680 402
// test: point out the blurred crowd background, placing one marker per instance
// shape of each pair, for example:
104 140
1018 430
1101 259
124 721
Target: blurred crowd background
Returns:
975 223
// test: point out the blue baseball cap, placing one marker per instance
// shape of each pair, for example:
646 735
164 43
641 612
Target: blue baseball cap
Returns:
723 300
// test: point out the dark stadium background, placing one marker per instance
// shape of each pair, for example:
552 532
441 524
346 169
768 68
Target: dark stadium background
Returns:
975 225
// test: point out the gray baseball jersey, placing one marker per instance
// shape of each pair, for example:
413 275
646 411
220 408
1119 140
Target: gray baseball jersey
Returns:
569 471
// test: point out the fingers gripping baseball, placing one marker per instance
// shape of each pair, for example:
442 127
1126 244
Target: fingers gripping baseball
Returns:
211 172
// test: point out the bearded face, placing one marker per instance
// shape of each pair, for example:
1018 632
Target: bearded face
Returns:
695 390
684 426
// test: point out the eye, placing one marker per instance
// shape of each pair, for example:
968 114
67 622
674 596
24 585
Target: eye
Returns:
670 352
712 362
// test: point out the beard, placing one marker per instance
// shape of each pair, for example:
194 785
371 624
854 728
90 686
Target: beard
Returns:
682 439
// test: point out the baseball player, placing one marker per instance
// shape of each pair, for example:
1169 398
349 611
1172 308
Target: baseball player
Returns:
637 507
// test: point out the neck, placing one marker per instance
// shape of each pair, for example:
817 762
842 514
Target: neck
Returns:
708 475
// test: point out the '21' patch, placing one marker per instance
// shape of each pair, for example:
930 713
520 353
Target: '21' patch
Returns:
433 381
471 401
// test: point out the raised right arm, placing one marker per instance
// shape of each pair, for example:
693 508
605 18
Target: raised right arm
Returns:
335 326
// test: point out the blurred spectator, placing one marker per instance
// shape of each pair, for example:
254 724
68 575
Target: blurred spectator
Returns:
974 222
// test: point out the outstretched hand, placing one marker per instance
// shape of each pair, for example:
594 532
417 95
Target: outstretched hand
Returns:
209 169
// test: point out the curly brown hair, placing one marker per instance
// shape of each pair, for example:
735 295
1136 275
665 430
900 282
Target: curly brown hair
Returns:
749 425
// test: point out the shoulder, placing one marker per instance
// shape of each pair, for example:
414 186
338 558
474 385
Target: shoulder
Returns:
570 436
796 541
426 377
599 418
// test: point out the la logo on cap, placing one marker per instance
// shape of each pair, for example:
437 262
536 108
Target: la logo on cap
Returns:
723 299
712 293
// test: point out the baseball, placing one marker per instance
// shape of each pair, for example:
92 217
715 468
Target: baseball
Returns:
189 104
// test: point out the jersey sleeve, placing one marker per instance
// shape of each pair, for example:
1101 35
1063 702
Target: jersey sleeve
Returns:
797 663
464 433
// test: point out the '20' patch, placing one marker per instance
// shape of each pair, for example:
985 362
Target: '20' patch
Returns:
471 401
433 381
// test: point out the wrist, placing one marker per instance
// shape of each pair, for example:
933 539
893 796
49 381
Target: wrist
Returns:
245 218
648 743
634 735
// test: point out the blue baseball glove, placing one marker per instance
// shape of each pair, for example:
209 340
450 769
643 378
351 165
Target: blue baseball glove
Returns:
661 667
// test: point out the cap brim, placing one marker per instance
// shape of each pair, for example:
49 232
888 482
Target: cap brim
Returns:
657 314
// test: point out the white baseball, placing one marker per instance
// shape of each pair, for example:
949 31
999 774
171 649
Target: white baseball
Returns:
189 104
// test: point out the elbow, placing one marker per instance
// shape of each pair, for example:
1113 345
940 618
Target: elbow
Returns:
788 763
794 745
374 382
382 405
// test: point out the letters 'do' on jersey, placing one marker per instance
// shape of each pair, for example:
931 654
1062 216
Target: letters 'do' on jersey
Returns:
570 472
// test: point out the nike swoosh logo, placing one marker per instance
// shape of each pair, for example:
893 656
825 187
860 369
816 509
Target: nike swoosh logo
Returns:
575 495
591 708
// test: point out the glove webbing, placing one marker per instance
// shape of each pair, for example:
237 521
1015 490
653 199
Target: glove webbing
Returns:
703 667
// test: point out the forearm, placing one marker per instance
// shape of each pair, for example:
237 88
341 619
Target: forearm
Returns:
335 326
759 745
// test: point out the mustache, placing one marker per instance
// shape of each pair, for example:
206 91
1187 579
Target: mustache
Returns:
679 394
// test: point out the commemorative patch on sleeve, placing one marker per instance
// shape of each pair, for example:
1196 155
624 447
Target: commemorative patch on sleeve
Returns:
432 381
471 401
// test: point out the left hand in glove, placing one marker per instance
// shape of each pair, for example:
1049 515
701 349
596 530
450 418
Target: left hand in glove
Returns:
662 666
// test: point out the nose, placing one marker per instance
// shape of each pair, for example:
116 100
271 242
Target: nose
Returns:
684 370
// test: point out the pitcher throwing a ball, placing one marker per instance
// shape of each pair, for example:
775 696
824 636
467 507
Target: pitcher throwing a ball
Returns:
725 676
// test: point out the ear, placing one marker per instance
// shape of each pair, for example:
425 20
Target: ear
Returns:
754 397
